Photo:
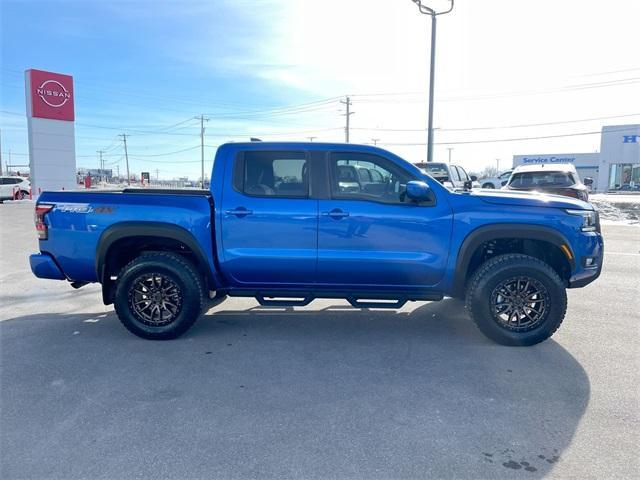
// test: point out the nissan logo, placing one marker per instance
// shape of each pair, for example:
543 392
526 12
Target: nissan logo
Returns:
53 93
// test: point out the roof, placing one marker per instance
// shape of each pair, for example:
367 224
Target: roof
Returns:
550 167
258 145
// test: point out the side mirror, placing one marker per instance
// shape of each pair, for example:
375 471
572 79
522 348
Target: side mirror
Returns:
588 181
474 178
468 185
418 191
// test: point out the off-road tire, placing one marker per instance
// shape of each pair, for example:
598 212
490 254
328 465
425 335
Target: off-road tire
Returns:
501 268
174 268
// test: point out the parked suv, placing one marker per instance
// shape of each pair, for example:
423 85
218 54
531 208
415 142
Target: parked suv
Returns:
451 176
559 179
14 188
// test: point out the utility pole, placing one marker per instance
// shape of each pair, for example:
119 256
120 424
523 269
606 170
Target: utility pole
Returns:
348 114
100 152
126 156
157 175
429 11
498 165
1 171
118 170
311 139
450 150
375 140
202 120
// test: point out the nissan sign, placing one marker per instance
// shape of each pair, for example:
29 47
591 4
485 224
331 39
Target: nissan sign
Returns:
51 95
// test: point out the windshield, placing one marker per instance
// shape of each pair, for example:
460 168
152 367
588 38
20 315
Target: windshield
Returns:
541 179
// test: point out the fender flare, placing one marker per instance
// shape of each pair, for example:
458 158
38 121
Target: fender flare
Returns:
156 230
503 230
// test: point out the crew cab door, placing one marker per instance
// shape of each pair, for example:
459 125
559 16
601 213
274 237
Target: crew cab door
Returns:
269 222
370 235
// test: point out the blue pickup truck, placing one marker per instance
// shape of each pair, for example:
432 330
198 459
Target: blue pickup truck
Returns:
287 223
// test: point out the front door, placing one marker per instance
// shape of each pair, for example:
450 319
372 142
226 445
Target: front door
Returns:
370 235
269 222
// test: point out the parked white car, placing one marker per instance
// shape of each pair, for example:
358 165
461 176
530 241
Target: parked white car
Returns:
10 186
495 182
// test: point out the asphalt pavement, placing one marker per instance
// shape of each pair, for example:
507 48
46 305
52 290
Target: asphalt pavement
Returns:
323 391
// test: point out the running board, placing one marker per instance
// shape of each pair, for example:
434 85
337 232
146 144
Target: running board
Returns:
283 301
300 298
376 303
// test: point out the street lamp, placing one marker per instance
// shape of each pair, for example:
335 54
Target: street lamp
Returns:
429 11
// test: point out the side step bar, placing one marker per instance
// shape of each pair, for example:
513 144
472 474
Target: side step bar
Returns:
374 299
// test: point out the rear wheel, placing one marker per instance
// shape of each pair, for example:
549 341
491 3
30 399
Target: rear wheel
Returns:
488 185
516 299
159 296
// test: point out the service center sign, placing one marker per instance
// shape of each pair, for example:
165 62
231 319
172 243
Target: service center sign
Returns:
51 95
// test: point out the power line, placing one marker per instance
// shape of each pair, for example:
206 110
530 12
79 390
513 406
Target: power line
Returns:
469 129
498 140
493 95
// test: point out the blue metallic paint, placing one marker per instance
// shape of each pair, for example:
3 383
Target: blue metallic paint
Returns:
43 266
288 243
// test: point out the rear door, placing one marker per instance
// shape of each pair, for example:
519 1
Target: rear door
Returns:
269 221
374 236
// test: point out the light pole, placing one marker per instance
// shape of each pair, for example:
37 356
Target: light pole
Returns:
450 150
429 11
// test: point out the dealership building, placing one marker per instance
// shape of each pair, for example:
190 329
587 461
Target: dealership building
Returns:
615 167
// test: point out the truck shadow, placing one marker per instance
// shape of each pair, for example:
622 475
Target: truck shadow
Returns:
306 393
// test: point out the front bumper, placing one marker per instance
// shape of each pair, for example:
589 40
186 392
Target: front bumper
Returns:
44 266
583 276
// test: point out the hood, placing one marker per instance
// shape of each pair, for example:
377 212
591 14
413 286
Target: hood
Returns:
529 199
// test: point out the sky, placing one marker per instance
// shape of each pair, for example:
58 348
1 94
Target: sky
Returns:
507 73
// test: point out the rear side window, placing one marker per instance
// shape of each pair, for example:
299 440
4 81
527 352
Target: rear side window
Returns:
541 179
11 181
454 173
273 174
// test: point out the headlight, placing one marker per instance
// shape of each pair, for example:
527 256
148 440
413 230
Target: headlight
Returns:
589 219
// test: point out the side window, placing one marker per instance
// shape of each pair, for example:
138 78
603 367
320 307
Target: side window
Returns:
455 176
387 182
274 174
463 174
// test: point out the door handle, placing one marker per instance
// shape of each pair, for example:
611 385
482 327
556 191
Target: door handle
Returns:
336 214
239 212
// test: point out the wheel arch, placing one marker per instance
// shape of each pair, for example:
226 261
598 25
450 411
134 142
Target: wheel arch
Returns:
488 233
147 235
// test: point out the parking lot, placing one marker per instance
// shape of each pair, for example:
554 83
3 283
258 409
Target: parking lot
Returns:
323 391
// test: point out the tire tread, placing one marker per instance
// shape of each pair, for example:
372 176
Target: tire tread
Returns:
494 265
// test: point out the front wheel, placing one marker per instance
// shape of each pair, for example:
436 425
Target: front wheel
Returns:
516 299
489 185
159 296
